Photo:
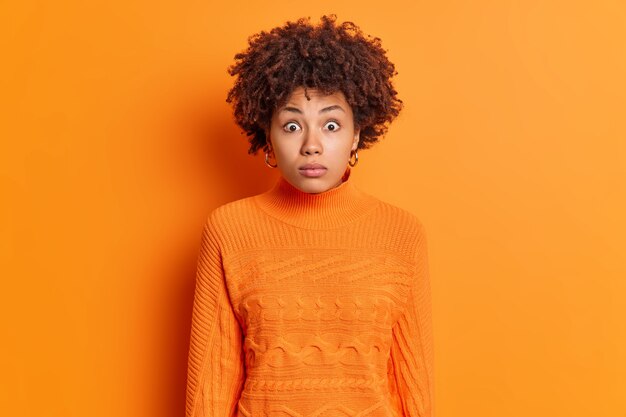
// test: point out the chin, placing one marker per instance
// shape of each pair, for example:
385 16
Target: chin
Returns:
320 188
313 185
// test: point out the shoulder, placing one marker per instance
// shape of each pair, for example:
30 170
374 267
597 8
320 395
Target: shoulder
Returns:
225 215
401 219
400 229
233 221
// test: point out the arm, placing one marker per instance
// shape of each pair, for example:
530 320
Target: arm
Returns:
411 359
215 373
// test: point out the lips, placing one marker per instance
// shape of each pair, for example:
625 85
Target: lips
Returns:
312 170
313 166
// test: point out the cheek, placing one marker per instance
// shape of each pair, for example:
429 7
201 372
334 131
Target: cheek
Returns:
286 150
340 144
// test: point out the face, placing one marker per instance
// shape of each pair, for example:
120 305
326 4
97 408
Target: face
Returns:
317 131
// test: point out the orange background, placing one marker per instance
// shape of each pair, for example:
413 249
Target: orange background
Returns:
117 141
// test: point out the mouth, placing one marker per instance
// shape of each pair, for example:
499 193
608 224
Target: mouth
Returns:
312 170
312 166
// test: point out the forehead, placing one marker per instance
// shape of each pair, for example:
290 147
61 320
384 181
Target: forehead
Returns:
315 95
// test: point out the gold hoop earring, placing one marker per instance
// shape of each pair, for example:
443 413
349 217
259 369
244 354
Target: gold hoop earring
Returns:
356 161
267 161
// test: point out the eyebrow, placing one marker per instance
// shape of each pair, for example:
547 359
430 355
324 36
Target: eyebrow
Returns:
324 110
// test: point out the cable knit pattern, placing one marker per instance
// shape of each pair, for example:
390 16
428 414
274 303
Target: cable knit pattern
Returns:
311 305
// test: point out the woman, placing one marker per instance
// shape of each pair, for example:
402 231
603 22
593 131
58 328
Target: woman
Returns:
312 298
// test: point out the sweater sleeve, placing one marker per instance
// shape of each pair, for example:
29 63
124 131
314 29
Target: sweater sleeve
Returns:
216 372
411 358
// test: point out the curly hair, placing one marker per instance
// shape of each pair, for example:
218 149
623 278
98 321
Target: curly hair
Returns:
326 57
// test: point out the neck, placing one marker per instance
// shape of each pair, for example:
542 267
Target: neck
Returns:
332 208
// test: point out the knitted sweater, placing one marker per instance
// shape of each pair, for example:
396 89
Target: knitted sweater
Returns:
311 305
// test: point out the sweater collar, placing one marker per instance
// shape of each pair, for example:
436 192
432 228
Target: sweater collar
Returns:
332 208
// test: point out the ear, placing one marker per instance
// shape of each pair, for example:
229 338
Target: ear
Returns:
268 140
357 137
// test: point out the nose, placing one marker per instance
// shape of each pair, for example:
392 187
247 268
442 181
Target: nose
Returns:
312 143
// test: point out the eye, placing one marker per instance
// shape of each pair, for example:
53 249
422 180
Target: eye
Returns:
333 125
291 126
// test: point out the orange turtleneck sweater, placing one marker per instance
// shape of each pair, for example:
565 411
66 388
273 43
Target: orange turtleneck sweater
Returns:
311 305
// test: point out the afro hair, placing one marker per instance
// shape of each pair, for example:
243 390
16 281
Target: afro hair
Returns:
326 57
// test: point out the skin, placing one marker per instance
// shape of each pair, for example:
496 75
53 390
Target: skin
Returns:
300 134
